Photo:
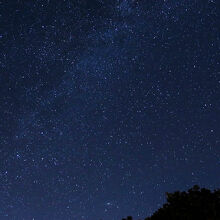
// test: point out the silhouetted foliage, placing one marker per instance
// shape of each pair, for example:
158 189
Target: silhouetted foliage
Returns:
196 203
128 218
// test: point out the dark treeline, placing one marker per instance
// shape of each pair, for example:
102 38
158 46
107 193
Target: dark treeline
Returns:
195 204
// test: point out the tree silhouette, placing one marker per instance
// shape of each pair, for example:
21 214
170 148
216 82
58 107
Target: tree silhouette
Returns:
201 204
196 203
128 218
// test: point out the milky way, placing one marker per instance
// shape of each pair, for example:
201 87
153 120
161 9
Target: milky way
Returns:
106 105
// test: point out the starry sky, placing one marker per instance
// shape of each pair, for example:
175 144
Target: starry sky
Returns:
106 105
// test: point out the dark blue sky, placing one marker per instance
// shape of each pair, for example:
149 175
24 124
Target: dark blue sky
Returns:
106 105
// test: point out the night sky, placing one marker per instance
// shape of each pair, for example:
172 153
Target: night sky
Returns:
106 105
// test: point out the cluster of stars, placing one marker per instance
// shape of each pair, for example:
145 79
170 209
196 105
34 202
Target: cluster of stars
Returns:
105 106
